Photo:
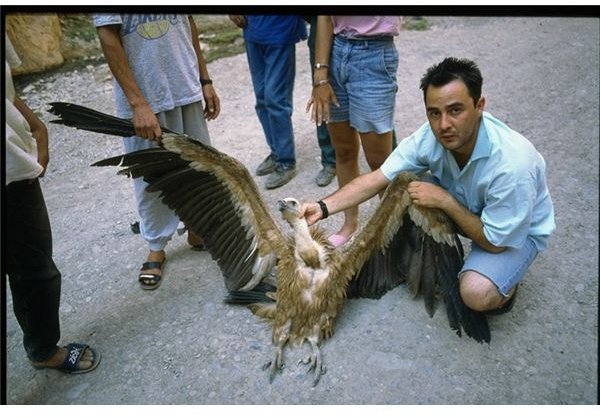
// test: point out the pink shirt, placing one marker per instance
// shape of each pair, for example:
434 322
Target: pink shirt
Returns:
366 26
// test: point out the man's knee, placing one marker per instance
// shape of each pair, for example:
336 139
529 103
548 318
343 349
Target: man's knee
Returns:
478 292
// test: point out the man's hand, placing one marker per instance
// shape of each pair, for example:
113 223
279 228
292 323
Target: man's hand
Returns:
429 195
39 132
311 212
145 122
213 105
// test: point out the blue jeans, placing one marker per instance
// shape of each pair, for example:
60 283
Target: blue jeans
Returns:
273 68
327 151
34 279
505 269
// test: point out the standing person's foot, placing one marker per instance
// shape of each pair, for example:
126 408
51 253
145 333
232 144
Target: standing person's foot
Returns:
75 358
342 236
150 276
266 167
325 176
282 175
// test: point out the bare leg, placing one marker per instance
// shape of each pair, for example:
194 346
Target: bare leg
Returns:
377 148
347 146
479 293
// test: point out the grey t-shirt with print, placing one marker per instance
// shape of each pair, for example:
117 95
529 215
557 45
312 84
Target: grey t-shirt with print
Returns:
161 56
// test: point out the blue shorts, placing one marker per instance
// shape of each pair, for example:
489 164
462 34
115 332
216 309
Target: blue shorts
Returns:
505 269
362 74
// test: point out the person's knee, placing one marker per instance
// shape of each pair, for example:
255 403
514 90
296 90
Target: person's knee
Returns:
377 148
478 292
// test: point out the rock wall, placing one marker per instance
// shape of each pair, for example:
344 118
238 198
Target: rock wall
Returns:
36 39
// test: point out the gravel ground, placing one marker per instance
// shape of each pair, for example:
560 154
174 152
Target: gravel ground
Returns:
182 345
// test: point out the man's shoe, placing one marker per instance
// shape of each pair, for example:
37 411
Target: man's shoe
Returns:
508 305
325 176
266 167
280 176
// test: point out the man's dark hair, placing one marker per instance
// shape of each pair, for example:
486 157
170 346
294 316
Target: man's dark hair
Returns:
451 69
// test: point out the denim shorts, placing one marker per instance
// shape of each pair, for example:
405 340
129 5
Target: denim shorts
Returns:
505 269
363 76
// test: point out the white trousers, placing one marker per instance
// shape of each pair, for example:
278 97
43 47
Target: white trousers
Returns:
157 222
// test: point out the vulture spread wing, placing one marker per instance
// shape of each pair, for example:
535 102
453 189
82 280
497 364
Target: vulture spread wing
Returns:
403 242
212 193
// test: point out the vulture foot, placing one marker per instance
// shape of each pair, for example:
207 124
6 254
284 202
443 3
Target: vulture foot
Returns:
315 363
275 365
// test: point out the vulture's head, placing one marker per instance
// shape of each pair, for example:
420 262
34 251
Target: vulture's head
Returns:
289 208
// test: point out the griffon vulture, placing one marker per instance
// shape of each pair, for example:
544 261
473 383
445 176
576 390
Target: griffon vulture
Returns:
217 198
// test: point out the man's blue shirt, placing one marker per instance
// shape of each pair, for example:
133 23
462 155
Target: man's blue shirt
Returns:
504 181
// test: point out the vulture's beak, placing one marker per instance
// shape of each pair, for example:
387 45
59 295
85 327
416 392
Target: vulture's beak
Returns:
281 205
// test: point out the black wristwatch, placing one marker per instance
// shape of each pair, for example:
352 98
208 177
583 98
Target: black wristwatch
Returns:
206 81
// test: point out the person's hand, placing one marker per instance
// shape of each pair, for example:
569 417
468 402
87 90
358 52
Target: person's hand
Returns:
311 212
145 122
429 195
319 101
239 20
40 133
213 104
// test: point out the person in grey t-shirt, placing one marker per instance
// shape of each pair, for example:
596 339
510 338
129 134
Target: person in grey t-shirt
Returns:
161 78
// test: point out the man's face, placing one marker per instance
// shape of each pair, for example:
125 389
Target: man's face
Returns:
453 117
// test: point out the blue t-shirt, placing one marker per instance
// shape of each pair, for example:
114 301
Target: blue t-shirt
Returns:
162 58
503 182
275 30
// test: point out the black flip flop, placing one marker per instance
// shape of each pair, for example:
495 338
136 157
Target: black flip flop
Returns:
74 355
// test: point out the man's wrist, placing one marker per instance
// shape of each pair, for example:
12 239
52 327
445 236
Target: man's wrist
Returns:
324 209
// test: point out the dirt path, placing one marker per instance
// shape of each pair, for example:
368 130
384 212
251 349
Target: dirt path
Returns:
182 345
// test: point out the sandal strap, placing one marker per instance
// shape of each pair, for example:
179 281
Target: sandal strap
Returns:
75 352
152 265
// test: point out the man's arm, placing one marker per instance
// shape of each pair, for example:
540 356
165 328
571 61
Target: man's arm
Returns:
213 106
357 191
144 120
433 196
38 131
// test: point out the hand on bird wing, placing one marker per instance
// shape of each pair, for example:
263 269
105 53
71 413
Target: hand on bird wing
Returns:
426 194
145 122
311 212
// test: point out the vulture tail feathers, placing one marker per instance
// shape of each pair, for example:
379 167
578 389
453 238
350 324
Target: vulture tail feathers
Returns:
258 300
247 297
